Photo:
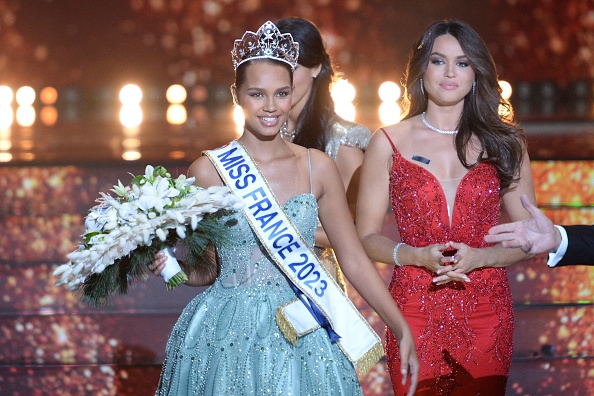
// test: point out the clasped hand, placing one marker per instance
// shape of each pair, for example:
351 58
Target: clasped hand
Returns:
451 261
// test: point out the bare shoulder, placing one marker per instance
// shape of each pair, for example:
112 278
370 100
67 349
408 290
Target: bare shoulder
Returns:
320 161
397 134
205 173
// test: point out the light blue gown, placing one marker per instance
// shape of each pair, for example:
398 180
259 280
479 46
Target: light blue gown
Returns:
227 342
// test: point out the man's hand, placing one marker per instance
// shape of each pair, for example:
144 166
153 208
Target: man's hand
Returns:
534 235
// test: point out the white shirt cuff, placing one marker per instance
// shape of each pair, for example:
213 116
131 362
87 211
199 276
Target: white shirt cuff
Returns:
555 257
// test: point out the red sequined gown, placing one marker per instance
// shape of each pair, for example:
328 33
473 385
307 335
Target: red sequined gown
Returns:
463 331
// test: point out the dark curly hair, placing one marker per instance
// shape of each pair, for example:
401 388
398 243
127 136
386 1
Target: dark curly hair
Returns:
502 141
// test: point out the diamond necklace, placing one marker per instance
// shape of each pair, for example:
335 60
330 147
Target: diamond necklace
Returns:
453 132
287 135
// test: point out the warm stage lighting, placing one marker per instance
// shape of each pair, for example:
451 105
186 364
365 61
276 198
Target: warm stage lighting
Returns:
176 114
389 91
506 89
48 96
25 96
343 94
48 115
343 91
27 156
5 157
176 94
6 116
25 116
346 110
131 155
6 96
131 115
238 118
177 154
26 145
130 143
130 94
389 113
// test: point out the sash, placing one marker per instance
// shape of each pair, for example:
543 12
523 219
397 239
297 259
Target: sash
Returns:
321 302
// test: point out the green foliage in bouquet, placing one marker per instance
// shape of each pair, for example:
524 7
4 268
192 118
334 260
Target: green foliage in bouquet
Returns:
124 233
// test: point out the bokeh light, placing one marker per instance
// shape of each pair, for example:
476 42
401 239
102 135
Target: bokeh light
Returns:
131 115
389 91
506 89
48 115
389 113
343 91
25 96
25 116
48 96
345 110
6 95
238 119
131 155
176 114
176 94
130 94
6 116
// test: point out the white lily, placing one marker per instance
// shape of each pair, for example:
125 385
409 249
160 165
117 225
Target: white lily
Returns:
156 195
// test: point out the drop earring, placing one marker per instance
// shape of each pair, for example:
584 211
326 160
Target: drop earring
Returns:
422 89
474 87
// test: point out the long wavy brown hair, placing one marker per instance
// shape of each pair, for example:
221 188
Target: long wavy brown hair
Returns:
486 114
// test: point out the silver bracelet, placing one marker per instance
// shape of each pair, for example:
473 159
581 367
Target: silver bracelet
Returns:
395 254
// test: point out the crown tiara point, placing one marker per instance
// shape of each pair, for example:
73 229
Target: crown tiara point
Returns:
267 43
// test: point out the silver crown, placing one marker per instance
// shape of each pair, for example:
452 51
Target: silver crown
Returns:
267 42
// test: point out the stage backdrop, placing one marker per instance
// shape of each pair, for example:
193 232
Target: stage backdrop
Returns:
51 344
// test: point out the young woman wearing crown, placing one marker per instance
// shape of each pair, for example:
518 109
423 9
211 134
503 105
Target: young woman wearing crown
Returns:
274 321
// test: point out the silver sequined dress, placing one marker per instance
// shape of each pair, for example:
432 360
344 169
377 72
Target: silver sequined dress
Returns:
227 342
348 134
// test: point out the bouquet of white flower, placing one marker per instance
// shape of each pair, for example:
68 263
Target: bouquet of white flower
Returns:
123 233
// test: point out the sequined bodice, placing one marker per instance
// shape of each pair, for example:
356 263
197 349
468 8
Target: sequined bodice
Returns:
244 262
227 341
460 327
421 210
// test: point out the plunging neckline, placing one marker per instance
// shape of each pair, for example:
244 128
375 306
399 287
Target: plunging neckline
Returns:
441 190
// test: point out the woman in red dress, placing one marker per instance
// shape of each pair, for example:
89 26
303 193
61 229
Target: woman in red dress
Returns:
445 168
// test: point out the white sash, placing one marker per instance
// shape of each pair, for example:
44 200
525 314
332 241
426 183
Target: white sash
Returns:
319 293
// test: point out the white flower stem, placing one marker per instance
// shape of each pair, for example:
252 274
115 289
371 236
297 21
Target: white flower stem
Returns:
172 273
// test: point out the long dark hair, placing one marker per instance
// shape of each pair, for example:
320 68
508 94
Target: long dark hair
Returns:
318 112
501 140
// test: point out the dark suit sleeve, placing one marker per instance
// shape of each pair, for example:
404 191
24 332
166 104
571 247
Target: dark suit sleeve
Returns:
580 248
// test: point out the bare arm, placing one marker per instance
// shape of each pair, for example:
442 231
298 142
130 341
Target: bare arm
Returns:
348 161
372 205
336 219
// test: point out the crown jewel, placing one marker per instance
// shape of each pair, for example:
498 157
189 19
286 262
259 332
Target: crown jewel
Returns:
267 42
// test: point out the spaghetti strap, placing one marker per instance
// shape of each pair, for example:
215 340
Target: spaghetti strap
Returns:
310 179
390 140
